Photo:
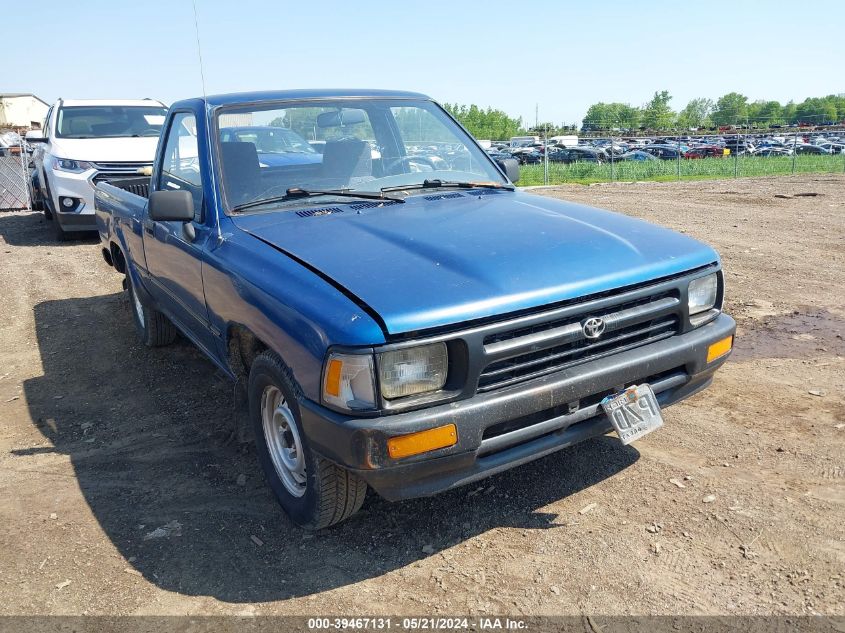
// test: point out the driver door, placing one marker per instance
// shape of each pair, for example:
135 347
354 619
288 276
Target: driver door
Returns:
174 258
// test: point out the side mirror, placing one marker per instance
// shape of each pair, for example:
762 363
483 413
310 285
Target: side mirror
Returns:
35 136
171 206
511 168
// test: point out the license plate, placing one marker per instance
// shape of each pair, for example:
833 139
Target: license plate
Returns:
633 413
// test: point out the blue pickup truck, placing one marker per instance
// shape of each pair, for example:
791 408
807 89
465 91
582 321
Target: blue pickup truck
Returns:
400 317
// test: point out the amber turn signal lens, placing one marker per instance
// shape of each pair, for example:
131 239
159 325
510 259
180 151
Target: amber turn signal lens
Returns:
422 442
333 377
719 348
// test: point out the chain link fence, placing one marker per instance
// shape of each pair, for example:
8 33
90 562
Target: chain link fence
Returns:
629 159
14 173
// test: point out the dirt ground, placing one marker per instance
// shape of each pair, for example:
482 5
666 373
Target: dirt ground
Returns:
121 492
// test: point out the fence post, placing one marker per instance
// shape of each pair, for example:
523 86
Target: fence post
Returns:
546 156
679 156
736 154
24 174
794 145
612 176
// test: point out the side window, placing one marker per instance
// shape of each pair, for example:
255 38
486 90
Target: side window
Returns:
46 124
180 167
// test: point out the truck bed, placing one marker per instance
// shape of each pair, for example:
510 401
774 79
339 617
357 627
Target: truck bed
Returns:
117 203
139 185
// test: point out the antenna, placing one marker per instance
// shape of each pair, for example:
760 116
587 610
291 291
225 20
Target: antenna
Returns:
207 126
199 48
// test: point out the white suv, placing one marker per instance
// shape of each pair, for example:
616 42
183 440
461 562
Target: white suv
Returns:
84 142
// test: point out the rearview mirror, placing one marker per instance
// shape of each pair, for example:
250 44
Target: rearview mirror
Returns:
35 136
347 116
171 206
511 168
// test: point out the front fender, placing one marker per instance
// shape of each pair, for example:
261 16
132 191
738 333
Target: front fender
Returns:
290 309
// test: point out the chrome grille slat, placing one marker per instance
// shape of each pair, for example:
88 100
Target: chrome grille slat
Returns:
122 165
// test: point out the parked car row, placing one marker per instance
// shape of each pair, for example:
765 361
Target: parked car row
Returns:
533 151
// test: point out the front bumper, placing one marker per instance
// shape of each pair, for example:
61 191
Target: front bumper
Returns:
79 187
514 425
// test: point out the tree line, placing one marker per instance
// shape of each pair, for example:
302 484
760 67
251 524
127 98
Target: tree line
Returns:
730 109
657 115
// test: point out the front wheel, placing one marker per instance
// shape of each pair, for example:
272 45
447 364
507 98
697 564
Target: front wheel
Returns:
58 232
314 492
154 329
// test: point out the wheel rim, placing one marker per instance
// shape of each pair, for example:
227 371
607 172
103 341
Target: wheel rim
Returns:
139 309
283 440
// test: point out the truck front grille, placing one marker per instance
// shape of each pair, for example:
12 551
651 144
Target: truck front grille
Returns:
530 352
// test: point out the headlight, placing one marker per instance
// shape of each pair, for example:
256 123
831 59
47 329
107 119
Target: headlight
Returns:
413 370
68 164
348 381
702 293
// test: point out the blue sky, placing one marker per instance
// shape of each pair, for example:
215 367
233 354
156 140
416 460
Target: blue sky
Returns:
508 55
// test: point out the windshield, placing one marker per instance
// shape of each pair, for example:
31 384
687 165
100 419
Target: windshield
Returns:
109 121
365 146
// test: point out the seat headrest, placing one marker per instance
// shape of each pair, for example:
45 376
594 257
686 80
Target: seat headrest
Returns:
241 171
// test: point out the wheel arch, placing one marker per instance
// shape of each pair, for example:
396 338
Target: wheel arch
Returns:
243 346
118 259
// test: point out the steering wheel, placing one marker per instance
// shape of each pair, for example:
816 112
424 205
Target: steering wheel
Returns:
406 161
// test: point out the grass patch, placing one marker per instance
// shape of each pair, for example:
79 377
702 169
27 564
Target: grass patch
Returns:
664 170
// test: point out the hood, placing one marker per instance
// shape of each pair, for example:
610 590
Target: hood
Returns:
123 149
435 262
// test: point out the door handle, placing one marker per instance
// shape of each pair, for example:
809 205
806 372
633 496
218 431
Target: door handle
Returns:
149 227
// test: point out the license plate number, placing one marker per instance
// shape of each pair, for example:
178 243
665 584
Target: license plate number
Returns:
633 413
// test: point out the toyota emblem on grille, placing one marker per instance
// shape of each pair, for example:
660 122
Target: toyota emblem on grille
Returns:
593 327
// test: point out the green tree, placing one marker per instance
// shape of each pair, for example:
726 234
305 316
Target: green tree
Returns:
608 116
788 112
696 114
485 123
769 113
657 115
817 110
730 109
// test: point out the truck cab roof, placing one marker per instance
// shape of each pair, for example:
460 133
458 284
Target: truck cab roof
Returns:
292 95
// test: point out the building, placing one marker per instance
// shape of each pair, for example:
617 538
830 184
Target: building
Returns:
21 111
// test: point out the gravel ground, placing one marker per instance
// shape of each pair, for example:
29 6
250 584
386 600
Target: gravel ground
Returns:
121 491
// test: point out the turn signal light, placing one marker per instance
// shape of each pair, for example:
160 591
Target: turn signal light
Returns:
719 348
333 377
422 442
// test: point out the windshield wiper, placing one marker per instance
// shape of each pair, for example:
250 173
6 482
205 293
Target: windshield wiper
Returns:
295 193
433 184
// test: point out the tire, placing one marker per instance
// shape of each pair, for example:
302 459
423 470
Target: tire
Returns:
58 232
154 329
314 492
44 195
35 196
